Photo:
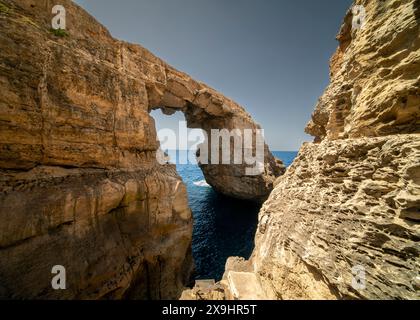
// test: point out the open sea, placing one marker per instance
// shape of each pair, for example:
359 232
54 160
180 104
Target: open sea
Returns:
223 227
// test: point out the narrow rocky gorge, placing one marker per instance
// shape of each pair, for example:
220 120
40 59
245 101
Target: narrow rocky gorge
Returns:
351 200
80 184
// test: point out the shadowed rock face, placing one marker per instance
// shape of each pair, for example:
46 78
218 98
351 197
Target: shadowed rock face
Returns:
353 198
80 183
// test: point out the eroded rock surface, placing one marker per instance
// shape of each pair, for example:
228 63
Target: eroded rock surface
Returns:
118 234
343 222
341 205
352 199
80 183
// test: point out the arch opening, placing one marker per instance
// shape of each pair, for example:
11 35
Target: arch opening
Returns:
223 226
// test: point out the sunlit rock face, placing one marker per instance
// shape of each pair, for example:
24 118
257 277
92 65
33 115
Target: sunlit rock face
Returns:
80 182
351 200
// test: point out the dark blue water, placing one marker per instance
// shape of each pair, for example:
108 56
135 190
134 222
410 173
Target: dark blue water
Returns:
223 227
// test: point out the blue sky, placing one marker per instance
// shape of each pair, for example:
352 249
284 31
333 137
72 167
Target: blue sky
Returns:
271 56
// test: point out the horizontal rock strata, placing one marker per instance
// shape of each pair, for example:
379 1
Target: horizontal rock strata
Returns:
80 184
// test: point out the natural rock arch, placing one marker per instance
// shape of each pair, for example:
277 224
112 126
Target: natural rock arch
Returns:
206 109
80 183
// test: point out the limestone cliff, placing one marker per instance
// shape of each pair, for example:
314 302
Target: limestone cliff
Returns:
352 198
343 222
80 185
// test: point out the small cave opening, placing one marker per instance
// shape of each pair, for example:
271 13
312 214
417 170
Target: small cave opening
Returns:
223 226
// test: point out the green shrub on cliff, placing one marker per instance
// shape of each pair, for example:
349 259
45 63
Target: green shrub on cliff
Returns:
3 8
59 33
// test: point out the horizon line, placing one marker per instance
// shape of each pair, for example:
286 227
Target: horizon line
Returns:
270 150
